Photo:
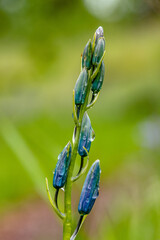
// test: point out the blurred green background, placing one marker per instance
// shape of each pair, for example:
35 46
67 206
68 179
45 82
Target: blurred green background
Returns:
41 42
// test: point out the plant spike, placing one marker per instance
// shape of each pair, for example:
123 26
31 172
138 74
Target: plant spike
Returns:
90 80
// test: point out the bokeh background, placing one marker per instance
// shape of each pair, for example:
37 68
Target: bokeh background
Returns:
41 42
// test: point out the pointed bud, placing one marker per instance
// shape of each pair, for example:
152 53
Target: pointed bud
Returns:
86 136
90 190
98 33
98 51
81 87
61 171
98 80
87 55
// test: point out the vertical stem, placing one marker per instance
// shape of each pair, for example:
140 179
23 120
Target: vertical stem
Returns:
67 199
67 225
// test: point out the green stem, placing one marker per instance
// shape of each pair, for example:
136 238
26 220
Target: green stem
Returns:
67 225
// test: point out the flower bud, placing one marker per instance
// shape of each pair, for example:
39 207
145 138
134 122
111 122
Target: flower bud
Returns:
61 170
81 87
98 80
90 190
86 136
98 51
87 55
98 33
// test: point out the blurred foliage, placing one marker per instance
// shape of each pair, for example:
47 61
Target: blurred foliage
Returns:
40 44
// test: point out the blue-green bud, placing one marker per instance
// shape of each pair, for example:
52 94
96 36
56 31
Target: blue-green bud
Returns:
98 33
90 190
98 51
98 80
86 136
61 170
81 87
87 55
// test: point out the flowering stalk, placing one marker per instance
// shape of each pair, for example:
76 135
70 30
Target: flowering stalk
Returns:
89 80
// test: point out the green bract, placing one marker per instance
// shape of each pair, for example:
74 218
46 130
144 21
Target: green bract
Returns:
87 55
98 80
81 87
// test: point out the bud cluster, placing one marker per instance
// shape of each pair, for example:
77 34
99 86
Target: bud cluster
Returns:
92 59
90 80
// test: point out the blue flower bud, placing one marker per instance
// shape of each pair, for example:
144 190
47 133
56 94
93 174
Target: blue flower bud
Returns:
61 170
86 136
87 55
90 190
98 51
98 33
81 87
98 80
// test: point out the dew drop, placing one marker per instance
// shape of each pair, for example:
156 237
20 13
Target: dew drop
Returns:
84 138
95 194
93 136
87 200
74 135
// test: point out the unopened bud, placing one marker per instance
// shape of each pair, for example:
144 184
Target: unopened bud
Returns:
61 170
90 190
81 87
87 55
98 33
98 80
86 136
98 51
